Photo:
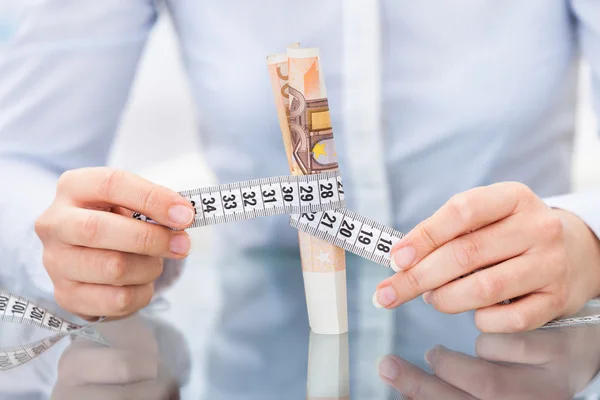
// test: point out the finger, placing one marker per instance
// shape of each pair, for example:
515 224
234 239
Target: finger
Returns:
90 300
105 366
113 187
513 278
527 313
475 376
534 348
489 245
415 383
87 265
463 213
105 230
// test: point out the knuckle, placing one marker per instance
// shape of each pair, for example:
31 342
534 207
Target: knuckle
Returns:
523 191
551 227
157 271
424 230
151 199
115 268
524 195
65 180
488 288
129 299
110 183
146 239
460 208
88 228
466 254
124 300
518 321
413 281
41 227
48 259
414 386
559 302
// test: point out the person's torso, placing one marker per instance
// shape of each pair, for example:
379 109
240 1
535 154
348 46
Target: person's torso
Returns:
472 93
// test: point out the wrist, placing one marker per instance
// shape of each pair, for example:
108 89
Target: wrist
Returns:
583 250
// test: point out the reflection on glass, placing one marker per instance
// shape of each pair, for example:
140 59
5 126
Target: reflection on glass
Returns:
328 367
543 364
134 366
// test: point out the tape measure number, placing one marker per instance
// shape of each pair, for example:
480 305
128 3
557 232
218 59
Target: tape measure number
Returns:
263 197
22 311
350 231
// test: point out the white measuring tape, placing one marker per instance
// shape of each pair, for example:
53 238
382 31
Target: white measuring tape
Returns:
315 203
22 311
316 206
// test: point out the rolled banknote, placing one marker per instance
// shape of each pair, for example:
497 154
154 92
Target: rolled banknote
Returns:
303 112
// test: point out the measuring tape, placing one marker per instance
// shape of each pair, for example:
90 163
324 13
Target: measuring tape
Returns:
315 204
22 311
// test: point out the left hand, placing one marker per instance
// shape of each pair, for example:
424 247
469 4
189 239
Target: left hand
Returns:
546 259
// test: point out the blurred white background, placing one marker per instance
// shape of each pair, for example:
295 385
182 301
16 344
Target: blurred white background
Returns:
160 121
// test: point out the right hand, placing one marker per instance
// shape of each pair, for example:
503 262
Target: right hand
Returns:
101 261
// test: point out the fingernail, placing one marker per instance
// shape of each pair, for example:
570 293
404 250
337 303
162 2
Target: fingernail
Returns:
180 244
181 215
384 297
403 258
430 356
426 297
375 303
388 368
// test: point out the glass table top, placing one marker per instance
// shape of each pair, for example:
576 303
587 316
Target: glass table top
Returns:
236 328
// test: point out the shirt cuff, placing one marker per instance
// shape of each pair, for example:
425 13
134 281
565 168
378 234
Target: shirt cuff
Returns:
585 205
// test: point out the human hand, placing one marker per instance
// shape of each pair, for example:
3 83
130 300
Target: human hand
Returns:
101 261
547 260
545 364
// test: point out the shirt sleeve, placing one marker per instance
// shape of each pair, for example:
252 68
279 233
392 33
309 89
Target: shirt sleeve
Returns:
585 205
586 13
65 73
